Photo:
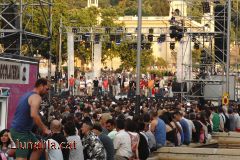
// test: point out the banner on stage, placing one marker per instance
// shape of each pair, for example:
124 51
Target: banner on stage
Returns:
14 72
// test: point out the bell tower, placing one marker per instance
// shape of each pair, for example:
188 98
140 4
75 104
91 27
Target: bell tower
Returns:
92 3
178 8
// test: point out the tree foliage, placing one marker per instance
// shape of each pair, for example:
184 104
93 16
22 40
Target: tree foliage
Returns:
108 17
161 63
128 57
109 53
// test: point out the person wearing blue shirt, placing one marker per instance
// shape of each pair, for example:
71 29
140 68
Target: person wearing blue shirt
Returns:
185 134
158 128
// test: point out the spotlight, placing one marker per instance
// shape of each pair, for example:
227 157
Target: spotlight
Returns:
84 38
172 46
150 38
196 46
173 31
179 34
87 37
97 38
74 30
162 38
112 37
118 39
108 45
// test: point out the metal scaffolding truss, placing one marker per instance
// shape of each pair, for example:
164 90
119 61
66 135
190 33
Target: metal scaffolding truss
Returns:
128 34
17 25
204 36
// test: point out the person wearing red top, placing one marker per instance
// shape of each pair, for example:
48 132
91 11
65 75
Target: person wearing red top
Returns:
142 84
71 85
105 85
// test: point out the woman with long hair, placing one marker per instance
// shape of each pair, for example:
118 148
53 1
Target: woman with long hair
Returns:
6 145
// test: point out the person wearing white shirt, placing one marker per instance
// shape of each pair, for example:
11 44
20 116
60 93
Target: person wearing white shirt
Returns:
82 86
53 153
122 142
70 132
110 126
89 86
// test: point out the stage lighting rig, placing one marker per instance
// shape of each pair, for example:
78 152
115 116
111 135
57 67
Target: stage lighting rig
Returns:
162 38
176 32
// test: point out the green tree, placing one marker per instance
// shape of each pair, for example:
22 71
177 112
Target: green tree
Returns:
114 2
195 11
108 17
104 3
160 62
109 53
160 8
128 57
71 15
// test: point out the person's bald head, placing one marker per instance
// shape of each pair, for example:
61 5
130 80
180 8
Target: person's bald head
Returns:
56 126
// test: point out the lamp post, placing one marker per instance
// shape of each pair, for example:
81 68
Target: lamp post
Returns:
139 32
50 49
228 45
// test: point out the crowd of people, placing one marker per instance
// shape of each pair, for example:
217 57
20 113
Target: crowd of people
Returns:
101 127
117 85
